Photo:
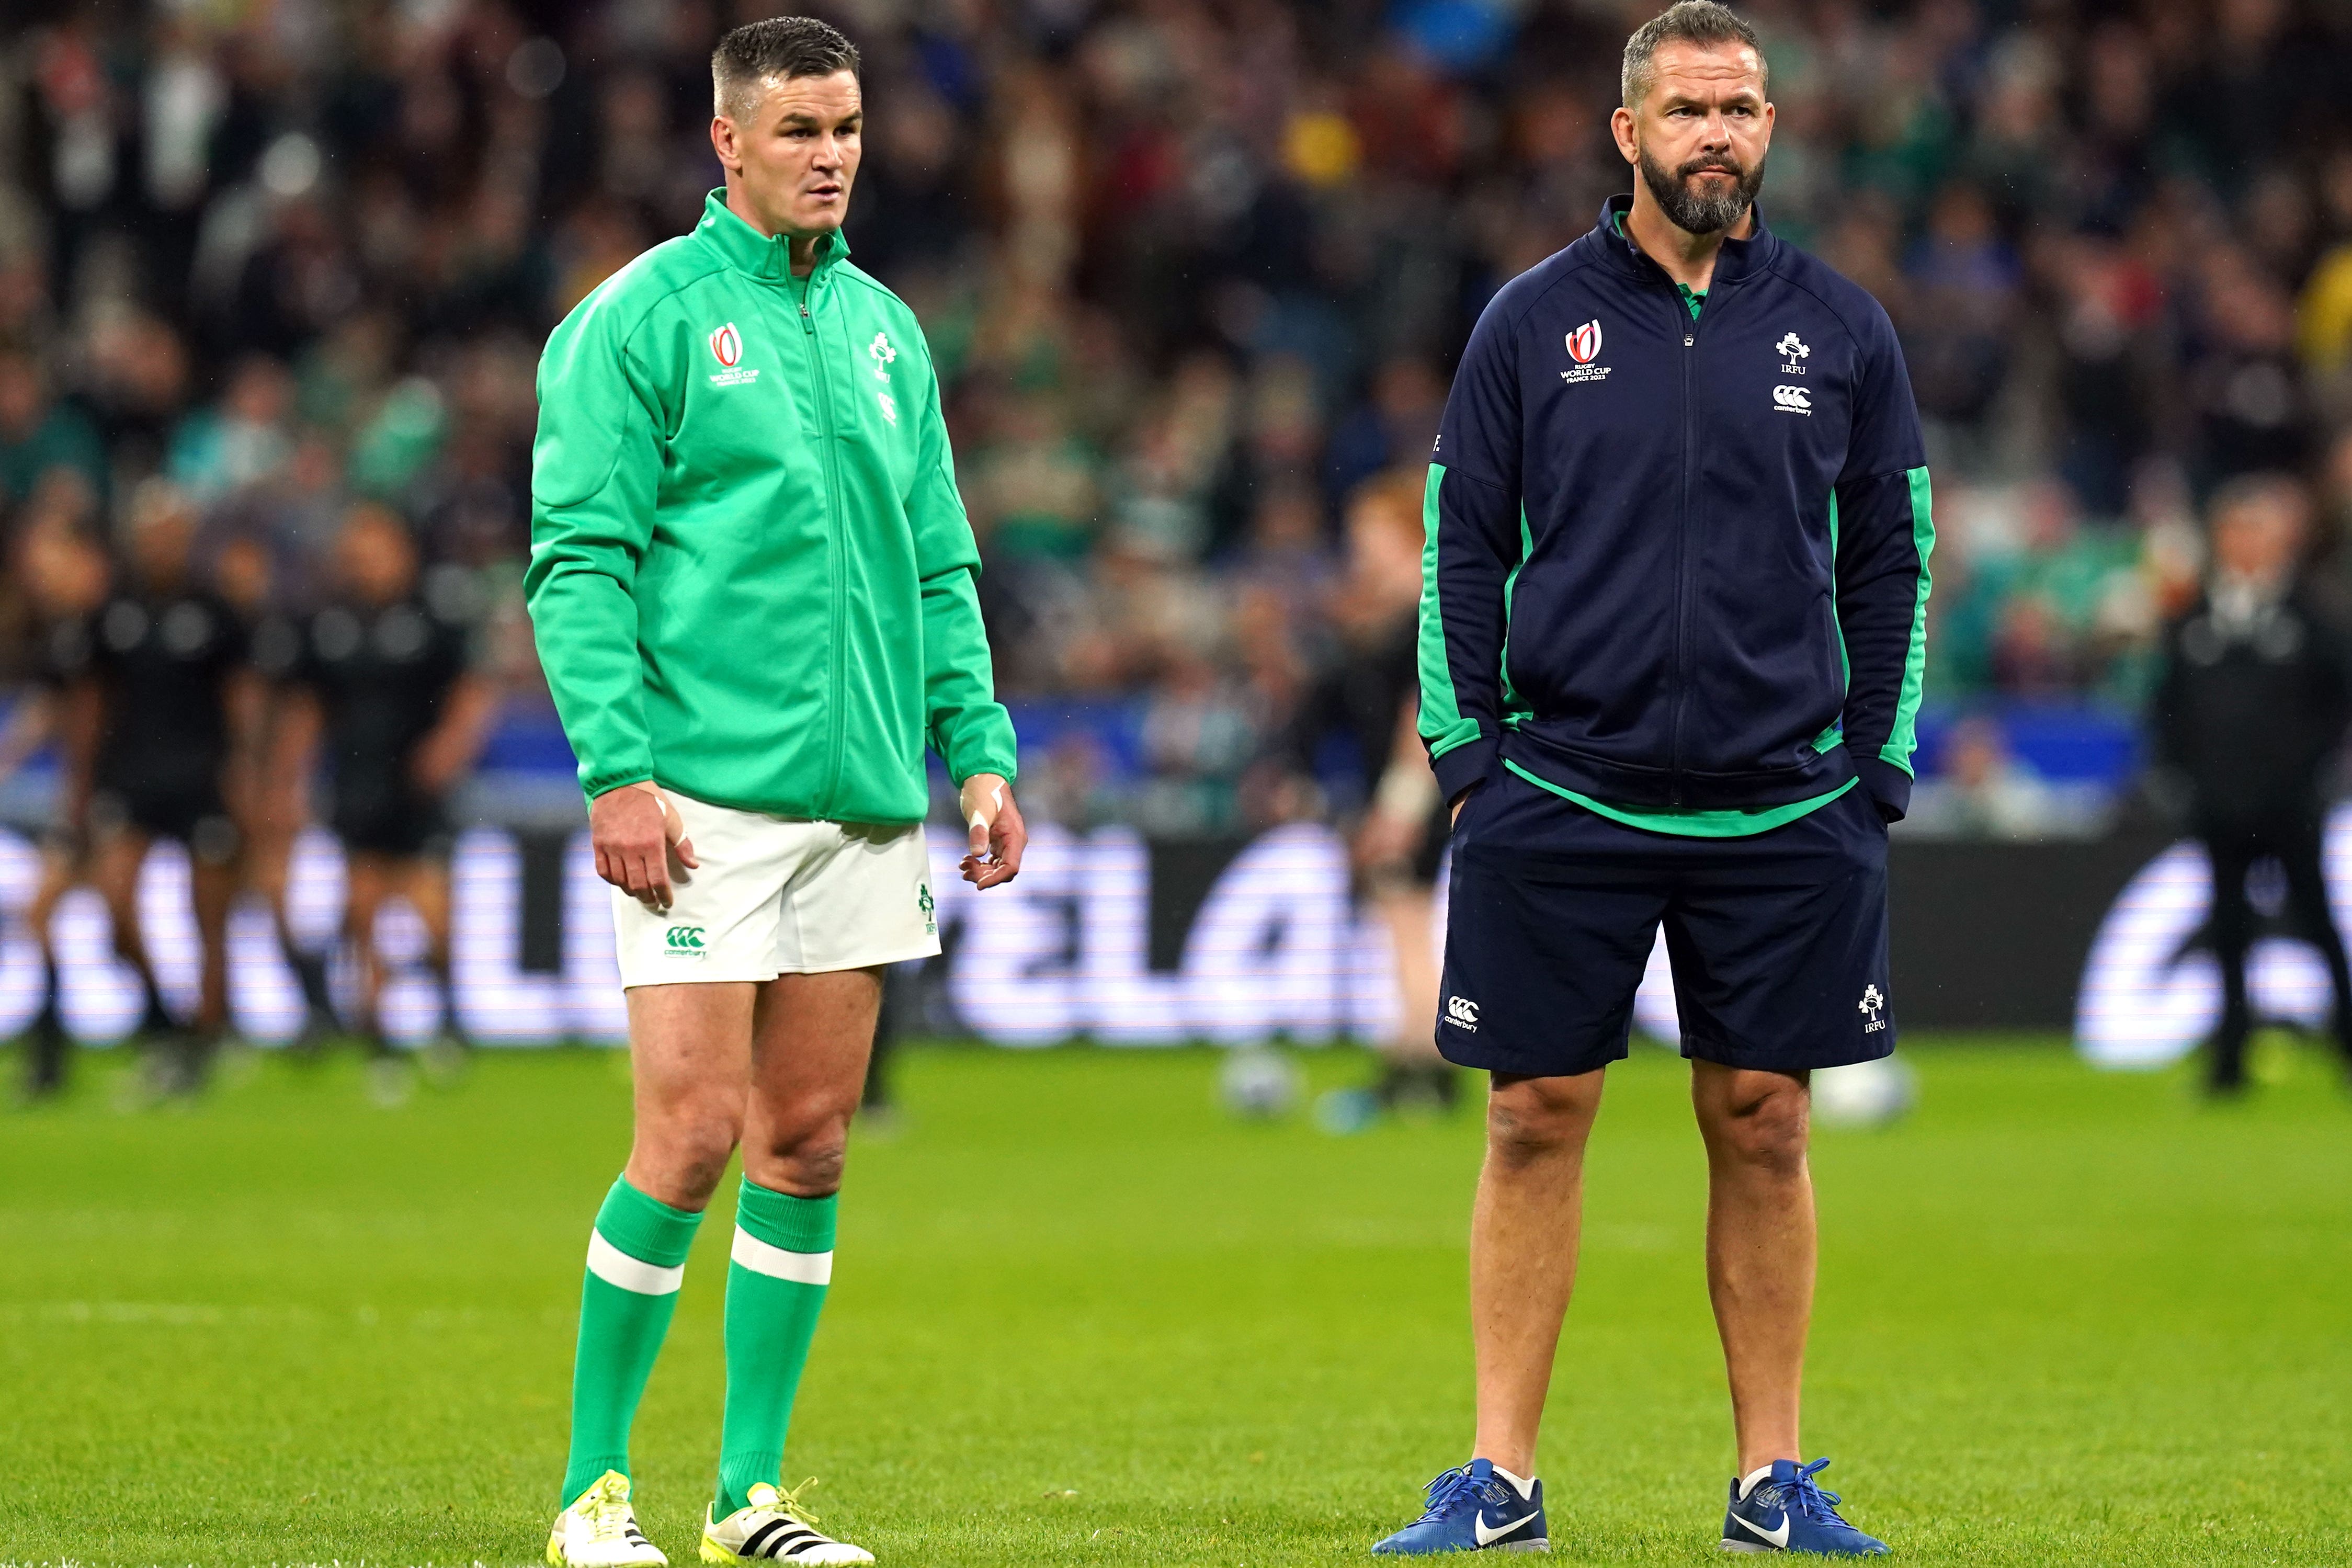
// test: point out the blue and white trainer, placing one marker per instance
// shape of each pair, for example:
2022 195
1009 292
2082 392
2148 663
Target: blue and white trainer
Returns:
1477 1507
1781 1509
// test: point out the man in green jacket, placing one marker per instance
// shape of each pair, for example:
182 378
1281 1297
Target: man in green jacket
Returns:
752 585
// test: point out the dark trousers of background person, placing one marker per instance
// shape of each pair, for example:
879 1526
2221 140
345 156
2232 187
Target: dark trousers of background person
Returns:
2295 840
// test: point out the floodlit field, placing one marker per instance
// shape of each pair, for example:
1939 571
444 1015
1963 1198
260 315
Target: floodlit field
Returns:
1082 1316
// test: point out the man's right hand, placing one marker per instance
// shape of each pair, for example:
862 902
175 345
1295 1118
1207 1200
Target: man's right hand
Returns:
635 829
1462 800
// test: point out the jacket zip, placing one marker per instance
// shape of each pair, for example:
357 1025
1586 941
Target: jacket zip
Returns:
836 568
1681 669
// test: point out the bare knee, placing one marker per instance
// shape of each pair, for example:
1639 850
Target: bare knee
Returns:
800 1147
1532 1118
680 1155
1766 1128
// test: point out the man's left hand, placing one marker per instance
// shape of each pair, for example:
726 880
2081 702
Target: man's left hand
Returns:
998 833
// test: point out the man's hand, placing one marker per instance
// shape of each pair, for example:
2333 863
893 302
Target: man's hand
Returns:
1462 800
636 831
998 833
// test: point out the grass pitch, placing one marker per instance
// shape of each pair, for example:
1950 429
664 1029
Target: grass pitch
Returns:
1082 1316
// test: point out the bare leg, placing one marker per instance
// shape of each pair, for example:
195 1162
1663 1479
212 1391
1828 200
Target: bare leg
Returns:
1759 1246
1405 908
425 880
1523 1241
812 1036
212 886
115 874
690 1057
46 1045
367 882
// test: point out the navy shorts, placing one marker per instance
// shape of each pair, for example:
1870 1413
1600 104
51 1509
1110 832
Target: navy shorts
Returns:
1778 940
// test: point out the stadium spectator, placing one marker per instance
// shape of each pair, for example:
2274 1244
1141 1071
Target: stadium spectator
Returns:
39 435
2249 720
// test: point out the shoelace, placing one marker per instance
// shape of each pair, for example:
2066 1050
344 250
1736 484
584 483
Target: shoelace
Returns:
1445 1489
1802 1494
789 1504
608 1514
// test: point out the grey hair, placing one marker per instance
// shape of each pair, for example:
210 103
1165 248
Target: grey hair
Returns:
1685 22
781 49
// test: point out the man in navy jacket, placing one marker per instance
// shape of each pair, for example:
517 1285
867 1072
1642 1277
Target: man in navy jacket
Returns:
1671 640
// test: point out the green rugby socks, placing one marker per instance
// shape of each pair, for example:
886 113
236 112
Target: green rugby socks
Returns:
637 1260
775 1288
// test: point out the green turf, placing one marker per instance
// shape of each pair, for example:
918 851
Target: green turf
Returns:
1082 1316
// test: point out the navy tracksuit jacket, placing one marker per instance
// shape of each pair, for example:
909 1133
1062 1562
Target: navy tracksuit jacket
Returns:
1676 563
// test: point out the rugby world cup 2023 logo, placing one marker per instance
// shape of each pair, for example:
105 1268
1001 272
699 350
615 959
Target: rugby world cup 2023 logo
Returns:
1584 347
727 348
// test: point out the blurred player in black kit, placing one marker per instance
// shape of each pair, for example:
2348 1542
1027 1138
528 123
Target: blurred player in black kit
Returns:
1369 692
66 578
380 684
177 704
2250 719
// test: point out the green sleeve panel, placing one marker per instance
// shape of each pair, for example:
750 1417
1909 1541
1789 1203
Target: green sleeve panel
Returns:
1443 725
596 472
967 726
1900 744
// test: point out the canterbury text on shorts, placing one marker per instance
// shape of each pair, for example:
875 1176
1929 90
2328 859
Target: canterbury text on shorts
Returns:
1778 940
777 896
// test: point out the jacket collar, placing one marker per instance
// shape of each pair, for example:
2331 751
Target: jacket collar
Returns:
1738 260
767 257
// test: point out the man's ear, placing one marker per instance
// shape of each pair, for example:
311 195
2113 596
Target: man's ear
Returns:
722 142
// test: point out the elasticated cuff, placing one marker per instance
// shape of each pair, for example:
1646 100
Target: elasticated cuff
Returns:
1465 766
780 1219
647 1229
1889 786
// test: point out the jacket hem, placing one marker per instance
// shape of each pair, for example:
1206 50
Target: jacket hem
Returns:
1633 787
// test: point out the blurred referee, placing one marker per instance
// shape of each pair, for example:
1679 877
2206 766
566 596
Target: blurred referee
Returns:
1673 633
2249 722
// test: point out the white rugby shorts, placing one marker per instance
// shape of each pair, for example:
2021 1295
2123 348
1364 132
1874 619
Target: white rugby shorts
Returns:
776 895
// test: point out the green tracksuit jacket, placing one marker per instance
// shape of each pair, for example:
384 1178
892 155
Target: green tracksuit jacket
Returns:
751 576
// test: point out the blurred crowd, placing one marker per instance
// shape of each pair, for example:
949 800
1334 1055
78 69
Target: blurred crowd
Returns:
1195 272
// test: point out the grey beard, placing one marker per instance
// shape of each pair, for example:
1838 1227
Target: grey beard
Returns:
1696 214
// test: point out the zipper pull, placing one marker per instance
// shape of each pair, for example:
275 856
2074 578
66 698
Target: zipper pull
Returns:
1688 339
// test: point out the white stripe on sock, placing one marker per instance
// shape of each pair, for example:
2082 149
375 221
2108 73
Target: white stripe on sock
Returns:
801 1268
615 1266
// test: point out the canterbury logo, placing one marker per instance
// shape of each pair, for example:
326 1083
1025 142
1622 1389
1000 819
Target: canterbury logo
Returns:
727 346
1462 1013
1793 399
683 939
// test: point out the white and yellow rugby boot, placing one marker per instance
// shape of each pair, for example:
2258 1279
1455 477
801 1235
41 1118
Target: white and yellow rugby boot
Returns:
775 1527
600 1530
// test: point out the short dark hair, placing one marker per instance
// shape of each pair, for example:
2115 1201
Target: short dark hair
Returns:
780 48
1685 22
